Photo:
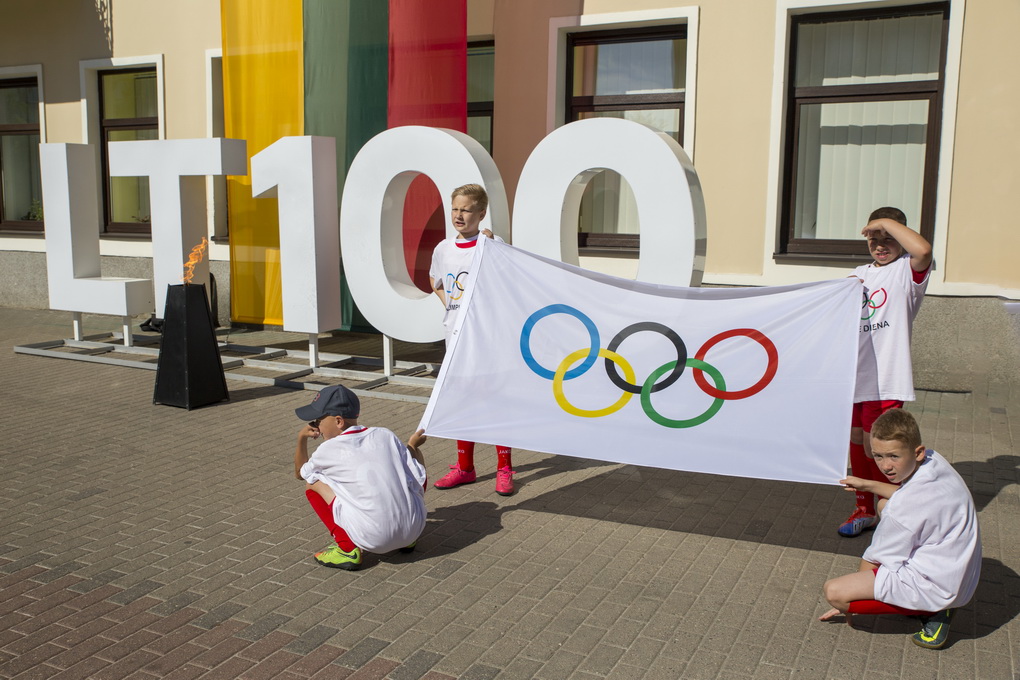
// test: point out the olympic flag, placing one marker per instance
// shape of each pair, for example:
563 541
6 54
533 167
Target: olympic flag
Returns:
748 382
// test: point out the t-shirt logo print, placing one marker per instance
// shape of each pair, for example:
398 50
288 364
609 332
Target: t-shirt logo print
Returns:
455 285
873 303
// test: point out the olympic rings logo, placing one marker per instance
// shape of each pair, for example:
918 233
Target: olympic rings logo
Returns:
872 304
615 363
454 286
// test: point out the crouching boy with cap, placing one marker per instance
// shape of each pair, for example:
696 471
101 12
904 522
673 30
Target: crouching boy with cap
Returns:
925 557
366 486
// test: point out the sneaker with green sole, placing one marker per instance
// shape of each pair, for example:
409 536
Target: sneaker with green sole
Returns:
409 548
336 558
934 632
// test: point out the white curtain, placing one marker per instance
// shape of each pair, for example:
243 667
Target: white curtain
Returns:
869 51
853 157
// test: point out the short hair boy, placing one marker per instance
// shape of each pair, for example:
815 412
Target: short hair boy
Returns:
925 555
450 275
894 286
365 485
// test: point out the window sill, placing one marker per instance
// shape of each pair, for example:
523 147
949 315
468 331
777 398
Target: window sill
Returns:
15 233
595 251
125 236
842 259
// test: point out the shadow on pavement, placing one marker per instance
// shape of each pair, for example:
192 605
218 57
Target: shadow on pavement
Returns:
780 513
988 478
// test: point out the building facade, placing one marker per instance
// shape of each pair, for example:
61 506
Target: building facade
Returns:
800 116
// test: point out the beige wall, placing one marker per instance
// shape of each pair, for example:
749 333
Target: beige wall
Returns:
71 31
734 109
984 236
734 114
522 80
68 31
479 18
736 121
181 31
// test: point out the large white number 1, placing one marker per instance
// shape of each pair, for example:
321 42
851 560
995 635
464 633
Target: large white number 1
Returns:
301 173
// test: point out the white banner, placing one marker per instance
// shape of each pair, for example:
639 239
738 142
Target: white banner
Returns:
748 382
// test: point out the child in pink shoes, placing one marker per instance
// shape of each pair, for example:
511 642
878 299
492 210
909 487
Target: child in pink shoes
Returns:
450 275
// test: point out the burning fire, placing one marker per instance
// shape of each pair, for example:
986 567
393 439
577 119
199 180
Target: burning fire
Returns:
193 259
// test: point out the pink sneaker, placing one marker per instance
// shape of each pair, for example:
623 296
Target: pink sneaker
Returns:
455 477
504 481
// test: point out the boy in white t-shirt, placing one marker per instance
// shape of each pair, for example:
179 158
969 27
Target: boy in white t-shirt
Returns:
925 556
450 275
894 286
366 486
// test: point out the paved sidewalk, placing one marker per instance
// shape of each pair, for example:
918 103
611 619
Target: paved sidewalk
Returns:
148 541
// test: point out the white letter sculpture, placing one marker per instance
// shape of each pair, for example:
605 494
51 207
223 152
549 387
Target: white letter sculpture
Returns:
70 193
301 172
670 205
175 168
371 222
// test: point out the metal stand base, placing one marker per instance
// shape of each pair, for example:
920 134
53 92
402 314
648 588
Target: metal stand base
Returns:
98 348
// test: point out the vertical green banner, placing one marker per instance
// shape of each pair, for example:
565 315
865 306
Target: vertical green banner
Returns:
345 75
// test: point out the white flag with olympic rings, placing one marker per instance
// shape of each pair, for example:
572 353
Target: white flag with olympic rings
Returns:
748 382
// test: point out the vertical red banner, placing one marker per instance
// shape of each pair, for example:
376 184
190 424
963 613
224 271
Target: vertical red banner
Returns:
427 86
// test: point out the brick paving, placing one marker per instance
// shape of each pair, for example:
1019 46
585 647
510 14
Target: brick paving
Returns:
143 541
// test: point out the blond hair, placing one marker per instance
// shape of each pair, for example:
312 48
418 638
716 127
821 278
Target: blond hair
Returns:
475 192
897 425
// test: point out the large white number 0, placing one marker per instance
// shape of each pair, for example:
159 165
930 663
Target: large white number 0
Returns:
371 221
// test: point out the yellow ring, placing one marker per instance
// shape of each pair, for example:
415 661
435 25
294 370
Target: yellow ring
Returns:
561 398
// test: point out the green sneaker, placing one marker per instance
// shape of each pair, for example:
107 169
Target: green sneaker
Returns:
934 632
408 548
338 559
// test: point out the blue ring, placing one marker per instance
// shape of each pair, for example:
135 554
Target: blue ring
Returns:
529 358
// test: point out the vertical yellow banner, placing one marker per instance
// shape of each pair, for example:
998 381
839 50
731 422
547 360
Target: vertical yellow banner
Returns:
263 100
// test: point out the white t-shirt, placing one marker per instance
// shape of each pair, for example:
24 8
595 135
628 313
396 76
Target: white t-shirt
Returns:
928 542
891 301
380 501
451 266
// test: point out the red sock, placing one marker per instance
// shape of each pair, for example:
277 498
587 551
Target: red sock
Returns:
503 457
863 467
465 455
325 512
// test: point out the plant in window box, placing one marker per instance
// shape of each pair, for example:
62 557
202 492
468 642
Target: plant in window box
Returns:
35 212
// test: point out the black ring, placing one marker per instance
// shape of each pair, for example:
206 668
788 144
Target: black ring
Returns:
671 335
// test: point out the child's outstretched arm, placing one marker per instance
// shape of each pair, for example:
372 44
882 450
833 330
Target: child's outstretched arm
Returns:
916 245
855 484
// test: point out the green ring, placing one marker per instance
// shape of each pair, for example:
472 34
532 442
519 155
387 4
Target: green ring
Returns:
646 394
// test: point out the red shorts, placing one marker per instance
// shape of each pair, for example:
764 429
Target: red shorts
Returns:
867 412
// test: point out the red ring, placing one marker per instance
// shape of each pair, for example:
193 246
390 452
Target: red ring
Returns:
770 370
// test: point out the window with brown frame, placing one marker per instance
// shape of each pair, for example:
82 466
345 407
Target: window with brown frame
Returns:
636 74
863 125
481 62
20 180
128 109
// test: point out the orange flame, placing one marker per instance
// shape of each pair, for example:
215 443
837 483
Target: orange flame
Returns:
193 259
